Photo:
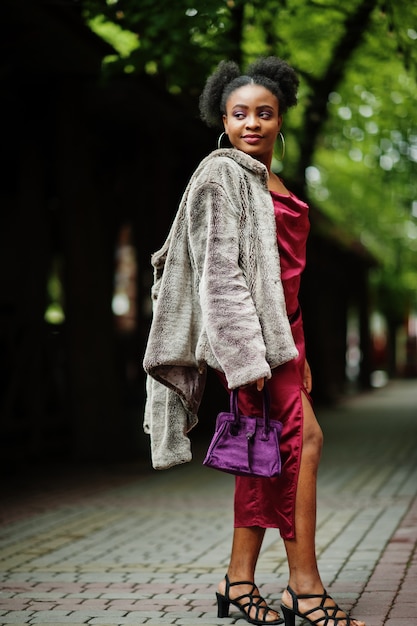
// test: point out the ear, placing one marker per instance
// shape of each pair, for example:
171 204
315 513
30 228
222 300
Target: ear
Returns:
280 120
224 117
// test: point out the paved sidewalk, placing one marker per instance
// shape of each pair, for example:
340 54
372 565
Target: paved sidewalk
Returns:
128 545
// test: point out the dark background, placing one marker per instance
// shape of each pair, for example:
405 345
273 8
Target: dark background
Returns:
84 177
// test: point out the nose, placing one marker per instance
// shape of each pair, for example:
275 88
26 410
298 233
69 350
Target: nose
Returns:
252 121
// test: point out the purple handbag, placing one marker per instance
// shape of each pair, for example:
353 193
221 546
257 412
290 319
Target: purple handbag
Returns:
243 445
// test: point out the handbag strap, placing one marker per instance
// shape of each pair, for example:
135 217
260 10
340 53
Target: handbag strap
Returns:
266 403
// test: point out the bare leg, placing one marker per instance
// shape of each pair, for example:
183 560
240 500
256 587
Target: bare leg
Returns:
301 553
246 546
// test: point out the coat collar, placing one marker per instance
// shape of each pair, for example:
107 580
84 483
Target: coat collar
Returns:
243 159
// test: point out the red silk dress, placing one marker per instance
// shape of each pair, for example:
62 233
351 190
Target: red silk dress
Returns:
270 502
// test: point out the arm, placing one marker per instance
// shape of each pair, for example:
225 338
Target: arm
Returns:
230 318
308 380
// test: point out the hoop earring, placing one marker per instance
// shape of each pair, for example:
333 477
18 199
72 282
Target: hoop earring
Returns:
220 139
281 136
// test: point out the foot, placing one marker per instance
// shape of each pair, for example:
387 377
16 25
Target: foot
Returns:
318 609
259 612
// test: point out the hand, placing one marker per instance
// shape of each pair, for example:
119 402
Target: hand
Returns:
307 379
260 384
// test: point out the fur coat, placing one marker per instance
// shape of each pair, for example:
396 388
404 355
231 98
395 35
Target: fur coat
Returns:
218 299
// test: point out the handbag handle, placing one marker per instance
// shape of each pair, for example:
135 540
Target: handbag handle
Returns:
266 403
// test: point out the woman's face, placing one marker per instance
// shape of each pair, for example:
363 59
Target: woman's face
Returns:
252 121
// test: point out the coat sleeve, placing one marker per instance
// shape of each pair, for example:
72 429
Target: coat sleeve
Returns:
167 422
230 318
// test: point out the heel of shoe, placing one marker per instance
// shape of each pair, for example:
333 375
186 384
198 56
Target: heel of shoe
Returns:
223 605
289 615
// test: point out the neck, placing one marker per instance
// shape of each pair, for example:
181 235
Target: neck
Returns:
267 161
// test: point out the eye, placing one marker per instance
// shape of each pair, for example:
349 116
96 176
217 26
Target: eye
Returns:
265 115
239 115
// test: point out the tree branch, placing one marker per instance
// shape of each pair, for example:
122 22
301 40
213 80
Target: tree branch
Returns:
316 113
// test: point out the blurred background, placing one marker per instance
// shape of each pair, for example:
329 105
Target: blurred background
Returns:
100 133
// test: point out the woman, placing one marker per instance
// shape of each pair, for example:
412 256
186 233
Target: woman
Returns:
226 296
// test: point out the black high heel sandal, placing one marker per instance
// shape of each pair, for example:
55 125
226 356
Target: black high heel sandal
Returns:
329 612
254 601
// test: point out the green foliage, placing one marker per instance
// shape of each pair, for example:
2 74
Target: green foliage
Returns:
364 171
177 42
355 130
296 30
123 41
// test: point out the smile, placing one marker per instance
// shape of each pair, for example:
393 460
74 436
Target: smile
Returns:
252 138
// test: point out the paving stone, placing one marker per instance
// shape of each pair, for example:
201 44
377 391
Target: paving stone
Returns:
108 547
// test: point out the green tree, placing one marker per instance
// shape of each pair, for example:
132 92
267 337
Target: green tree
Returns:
351 143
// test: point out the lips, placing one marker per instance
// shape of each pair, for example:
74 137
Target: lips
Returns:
252 139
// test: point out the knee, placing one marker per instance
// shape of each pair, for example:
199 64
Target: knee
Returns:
313 442
312 434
